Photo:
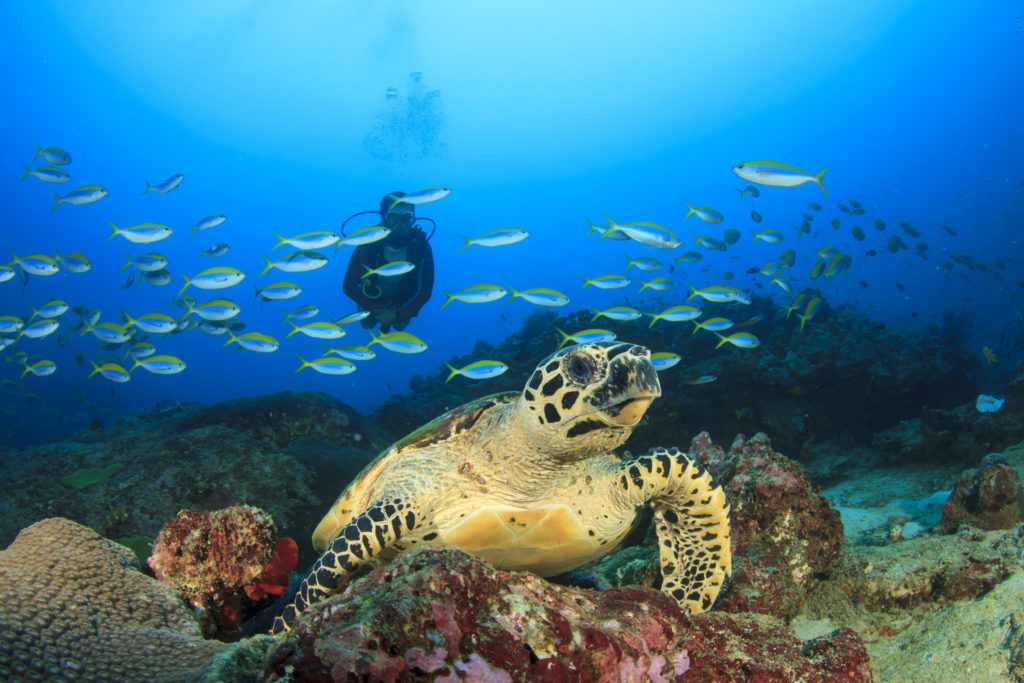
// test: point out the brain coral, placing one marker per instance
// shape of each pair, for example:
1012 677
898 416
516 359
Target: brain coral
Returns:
74 605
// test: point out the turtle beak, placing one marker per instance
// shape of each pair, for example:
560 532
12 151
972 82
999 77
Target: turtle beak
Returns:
627 413
642 388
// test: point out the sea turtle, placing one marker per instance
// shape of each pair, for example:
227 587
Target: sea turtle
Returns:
527 481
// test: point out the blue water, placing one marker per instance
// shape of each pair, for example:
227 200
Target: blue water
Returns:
537 115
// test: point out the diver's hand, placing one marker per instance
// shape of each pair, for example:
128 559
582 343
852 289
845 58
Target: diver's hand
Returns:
386 316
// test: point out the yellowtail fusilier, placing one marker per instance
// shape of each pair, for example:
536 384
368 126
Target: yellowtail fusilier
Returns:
688 257
353 317
309 240
302 313
586 336
220 277
327 365
35 264
643 263
658 284
154 323
675 314
713 325
352 352
603 228
783 284
482 369
166 186
296 262
110 371
610 281
158 278
400 342
216 251
541 296
663 360
54 155
392 269
147 263
211 221
318 330
277 291
9 324
769 236
39 329
48 174
496 238
716 293
645 232
254 341
366 235
140 350
616 313
40 368
705 213
709 242
812 307
422 196
777 174
86 194
73 261
142 233
476 294
743 340
159 365
109 333
54 308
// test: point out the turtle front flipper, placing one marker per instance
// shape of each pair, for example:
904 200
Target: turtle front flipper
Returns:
691 517
356 545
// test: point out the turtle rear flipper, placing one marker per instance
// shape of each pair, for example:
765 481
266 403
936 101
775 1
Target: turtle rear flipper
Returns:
355 546
691 517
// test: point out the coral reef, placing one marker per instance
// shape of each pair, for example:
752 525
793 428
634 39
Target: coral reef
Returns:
288 453
213 559
75 606
442 613
986 498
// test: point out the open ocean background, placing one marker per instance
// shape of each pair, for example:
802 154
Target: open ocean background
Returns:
289 117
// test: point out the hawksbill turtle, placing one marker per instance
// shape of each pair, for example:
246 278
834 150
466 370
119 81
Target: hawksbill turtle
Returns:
528 481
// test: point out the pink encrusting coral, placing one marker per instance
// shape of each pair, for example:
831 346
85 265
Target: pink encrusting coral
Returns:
216 559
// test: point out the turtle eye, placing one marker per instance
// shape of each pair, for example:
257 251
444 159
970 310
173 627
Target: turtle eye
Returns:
581 368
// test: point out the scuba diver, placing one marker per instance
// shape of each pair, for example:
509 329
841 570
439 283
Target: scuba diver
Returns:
392 300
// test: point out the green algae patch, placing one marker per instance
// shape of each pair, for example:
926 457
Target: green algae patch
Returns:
81 478
142 546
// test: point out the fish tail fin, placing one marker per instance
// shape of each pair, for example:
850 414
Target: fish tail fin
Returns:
56 203
565 336
28 171
723 338
148 187
113 232
586 280
280 240
469 241
95 368
514 294
184 286
450 298
597 314
695 291
305 363
202 252
692 210
592 227
742 192
644 286
452 373
39 150
127 261
369 271
256 293
817 179
192 229
697 243
696 326
269 265
654 319
135 364
231 338
295 328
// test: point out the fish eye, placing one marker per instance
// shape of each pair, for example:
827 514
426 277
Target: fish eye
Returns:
581 368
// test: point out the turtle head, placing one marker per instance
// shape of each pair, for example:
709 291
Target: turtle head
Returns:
586 399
